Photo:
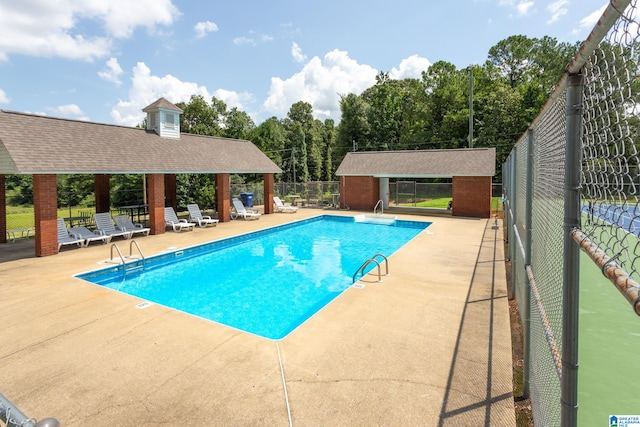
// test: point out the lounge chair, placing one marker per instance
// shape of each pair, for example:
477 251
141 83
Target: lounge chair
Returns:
88 236
171 220
242 212
105 226
281 207
196 216
124 223
65 238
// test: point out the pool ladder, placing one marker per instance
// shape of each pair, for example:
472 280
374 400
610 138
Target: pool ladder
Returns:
375 208
372 260
132 267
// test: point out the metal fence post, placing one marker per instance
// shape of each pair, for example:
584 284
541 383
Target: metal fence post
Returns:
526 329
571 274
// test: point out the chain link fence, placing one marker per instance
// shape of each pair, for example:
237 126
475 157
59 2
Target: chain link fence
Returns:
571 183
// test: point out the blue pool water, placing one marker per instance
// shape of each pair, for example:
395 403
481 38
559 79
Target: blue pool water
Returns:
266 282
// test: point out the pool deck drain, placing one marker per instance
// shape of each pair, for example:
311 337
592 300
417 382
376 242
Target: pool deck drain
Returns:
428 346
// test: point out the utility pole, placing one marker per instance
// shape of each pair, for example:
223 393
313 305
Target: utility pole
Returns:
293 163
470 69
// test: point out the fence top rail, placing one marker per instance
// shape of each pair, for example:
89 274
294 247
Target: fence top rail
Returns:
613 11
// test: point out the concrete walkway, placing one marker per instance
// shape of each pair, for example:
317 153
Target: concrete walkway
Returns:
428 346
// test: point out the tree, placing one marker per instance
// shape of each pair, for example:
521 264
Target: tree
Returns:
513 57
354 126
270 137
238 124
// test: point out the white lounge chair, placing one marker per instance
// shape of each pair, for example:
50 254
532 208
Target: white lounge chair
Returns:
65 238
171 220
88 236
242 212
124 223
281 207
196 216
105 226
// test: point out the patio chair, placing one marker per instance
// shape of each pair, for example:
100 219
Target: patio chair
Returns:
196 216
171 220
242 212
65 238
281 207
124 223
105 226
88 236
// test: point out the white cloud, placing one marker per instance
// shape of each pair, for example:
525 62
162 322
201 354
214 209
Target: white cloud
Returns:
204 28
112 73
557 9
523 7
4 98
49 29
589 21
320 83
244 40
71 111
297 54
234 99
411 67
146 88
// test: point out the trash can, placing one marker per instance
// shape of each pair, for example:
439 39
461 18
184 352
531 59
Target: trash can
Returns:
247 199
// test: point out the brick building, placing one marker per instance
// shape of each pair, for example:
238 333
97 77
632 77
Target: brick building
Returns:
364 176
44 147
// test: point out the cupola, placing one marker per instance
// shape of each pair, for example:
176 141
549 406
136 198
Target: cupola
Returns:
163 118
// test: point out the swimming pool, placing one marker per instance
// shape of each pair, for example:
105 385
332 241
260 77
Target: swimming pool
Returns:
266 282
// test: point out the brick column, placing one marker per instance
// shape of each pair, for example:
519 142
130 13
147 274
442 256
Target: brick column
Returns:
269 184
223 196
3 210
102 193
45 207
170 191
360 192
155 187
472 196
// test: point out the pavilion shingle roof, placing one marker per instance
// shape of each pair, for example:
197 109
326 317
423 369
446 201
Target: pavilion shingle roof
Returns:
32 144
420 163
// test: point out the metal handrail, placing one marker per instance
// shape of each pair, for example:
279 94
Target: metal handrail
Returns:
114 245
363 266
386 262
369 261
133 242
380 202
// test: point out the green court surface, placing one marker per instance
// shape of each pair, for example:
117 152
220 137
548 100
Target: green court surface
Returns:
608 350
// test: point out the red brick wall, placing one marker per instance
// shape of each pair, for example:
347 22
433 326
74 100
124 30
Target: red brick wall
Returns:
472 196
359 192
3 211
103 201
223 196
45 207
155 187
268 193
170 191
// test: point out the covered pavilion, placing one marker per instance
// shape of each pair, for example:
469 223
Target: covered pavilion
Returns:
364 176
44 147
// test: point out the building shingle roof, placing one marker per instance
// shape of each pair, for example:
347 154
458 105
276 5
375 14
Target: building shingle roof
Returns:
161 103
420 163
32 144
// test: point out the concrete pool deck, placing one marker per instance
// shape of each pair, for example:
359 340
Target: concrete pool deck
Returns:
428 346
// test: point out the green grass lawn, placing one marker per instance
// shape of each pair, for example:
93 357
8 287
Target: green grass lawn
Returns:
23 217
443 202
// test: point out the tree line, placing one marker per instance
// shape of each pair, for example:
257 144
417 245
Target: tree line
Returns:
431 112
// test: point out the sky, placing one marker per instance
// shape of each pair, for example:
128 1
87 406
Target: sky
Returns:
104 61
